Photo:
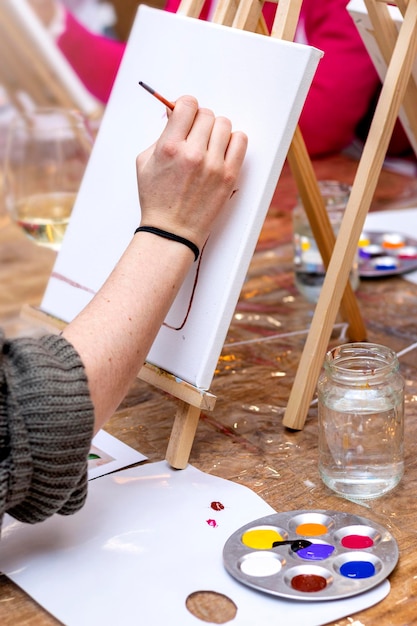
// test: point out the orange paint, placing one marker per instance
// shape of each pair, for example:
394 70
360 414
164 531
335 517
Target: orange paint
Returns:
311 530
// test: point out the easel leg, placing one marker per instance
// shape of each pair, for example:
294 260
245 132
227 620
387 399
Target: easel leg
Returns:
363 189
182 435
309 191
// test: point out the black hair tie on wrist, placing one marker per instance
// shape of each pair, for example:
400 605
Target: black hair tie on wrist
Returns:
167 235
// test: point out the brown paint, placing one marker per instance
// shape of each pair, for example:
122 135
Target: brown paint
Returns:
308 583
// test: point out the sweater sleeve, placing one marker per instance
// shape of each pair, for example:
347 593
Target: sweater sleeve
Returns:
46 427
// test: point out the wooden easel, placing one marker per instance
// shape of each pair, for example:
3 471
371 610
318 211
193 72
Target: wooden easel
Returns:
247 16
33 65
399 49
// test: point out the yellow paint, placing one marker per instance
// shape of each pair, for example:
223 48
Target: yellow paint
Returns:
261 538
311 530
363 241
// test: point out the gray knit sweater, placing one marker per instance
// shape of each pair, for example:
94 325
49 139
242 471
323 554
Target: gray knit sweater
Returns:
46 426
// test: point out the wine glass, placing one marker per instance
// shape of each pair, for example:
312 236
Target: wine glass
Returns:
47 151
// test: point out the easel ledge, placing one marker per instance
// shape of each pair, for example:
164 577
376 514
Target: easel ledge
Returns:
191 399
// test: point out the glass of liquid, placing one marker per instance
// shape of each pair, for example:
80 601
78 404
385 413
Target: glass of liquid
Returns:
46 154
361 421
309 270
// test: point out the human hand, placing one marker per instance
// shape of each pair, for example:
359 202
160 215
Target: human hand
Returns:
186 177
45 10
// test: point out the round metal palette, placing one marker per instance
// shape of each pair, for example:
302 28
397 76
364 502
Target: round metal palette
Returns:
386 254
311 555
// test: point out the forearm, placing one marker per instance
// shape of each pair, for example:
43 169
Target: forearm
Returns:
134 302
184 180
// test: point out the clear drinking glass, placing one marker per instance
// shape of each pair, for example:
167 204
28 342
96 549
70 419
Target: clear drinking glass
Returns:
361 420
46 154
309 270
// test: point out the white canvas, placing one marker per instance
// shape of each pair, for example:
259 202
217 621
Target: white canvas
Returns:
261 84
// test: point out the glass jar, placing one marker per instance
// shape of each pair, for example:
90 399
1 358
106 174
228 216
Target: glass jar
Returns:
361 421
47 151
309 270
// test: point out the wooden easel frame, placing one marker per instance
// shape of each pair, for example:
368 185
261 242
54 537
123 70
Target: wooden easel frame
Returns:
247 15
33 65
399 49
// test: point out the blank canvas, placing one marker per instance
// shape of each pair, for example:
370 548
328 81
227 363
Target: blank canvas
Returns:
260 83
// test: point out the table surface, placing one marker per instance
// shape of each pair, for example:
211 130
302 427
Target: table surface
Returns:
243 438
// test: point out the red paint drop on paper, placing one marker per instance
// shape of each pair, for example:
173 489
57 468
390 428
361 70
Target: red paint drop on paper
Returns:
212 523
217 506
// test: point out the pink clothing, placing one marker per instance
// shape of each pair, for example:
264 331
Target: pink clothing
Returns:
341 95
95 58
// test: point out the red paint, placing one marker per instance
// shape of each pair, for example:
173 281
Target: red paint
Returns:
217 506
212 523
190 302
357 542
308 583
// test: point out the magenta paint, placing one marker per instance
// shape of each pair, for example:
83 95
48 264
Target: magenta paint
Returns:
357 542
409 252
316 552
358 569
212 523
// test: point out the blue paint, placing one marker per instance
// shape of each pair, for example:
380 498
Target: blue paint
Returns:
385 263
358 569
316 552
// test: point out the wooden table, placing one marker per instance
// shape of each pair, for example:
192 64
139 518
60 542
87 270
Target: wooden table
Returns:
243 438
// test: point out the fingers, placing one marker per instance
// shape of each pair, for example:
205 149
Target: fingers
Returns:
181 119
236 150
227 145
192 168
200 134
202 130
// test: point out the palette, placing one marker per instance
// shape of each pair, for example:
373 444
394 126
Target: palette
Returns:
311 555
386 254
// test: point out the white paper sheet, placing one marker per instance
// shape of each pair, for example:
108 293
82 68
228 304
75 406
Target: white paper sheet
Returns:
146 539
108 454
260 83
